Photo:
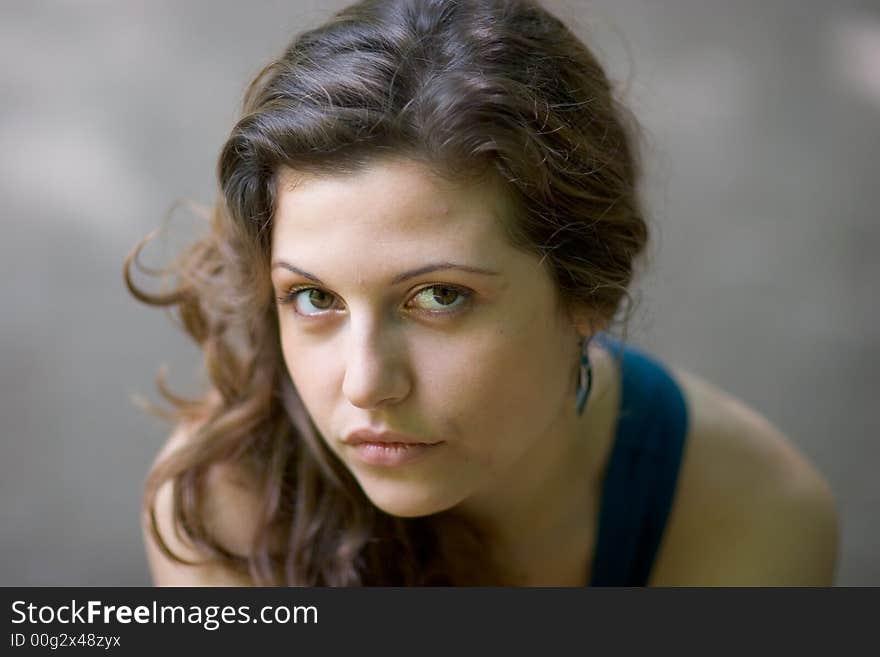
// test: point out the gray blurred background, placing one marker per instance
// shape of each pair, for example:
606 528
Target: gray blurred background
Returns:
762 124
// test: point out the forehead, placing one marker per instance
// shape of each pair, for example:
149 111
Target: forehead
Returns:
390 208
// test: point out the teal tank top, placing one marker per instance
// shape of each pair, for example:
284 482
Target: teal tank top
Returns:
640 480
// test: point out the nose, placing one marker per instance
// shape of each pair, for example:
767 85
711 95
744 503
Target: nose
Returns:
376 371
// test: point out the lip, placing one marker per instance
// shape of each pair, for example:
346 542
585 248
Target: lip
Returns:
388 448
360 436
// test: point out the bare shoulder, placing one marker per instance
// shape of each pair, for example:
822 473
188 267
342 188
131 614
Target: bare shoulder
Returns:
749 509
231 512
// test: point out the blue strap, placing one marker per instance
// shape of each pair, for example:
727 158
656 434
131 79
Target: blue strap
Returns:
640 481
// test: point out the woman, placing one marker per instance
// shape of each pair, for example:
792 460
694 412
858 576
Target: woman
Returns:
427 228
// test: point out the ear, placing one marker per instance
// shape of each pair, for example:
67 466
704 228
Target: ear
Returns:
586 321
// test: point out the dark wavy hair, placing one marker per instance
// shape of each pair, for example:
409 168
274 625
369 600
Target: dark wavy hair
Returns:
489 88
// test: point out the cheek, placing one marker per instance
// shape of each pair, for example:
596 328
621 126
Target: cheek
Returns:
498 386
312 366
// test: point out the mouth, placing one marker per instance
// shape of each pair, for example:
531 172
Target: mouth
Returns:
392 454
388 448
361 436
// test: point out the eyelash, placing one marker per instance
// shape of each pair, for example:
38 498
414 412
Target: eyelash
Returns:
289 298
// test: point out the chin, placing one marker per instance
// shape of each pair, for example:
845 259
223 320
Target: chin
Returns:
406 500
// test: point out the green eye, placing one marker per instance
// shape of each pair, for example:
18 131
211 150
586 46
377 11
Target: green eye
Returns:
310 301
440 298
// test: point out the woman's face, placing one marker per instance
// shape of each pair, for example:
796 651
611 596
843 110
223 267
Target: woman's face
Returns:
403 308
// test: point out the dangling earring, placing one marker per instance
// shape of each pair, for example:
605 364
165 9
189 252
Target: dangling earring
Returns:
585 379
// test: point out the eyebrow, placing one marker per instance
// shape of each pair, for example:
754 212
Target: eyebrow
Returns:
403 276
